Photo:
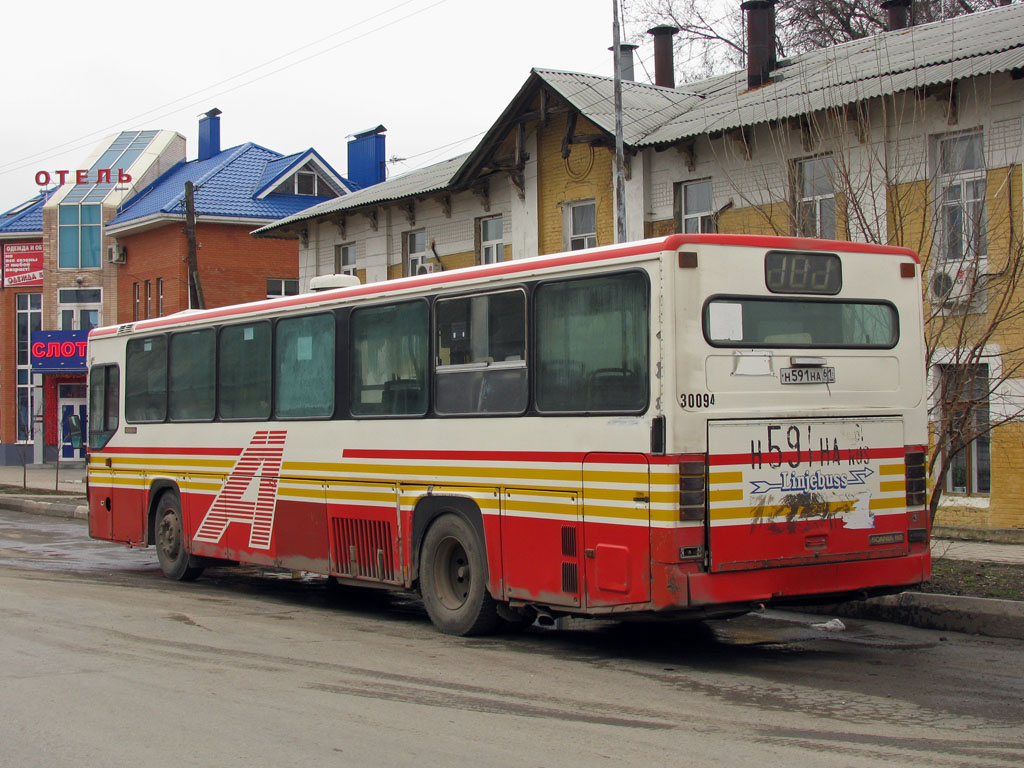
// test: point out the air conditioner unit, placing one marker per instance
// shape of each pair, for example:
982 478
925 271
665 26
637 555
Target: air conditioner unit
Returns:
425 269
117 254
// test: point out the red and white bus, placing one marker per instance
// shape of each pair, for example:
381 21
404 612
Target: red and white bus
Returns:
691 425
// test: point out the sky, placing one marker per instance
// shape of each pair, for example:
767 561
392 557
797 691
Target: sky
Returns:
287 76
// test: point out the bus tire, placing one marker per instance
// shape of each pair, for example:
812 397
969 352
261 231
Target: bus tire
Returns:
453 579
175 561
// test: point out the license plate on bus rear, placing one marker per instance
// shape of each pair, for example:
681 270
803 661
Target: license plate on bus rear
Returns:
823 375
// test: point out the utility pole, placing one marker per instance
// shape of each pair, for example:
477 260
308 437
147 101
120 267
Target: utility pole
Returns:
620 164
195 288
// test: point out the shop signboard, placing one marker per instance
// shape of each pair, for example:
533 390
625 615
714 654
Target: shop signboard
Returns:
23 264
59 351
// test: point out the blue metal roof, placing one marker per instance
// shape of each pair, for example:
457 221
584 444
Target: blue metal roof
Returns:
26 218
226 185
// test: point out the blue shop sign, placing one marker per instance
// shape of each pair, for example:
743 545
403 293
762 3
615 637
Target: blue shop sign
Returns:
59 351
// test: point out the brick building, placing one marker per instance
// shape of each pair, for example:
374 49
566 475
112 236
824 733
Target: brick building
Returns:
910 137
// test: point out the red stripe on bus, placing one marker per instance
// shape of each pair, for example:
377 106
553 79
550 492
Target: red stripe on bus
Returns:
516 266
170 451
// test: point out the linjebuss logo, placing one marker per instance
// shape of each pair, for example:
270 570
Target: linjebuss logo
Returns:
812 481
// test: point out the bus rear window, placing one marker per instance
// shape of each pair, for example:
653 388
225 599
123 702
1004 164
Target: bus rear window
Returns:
771 322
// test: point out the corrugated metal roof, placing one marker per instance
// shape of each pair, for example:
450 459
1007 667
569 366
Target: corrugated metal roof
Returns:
967 46
411 184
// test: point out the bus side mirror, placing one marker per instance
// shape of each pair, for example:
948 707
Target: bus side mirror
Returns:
75 431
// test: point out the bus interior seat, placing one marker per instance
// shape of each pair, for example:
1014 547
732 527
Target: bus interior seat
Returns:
613 388
402 396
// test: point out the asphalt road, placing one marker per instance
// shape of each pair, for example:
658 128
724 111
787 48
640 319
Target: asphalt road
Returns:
103 662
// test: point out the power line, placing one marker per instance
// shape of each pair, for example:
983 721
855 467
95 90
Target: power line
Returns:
11 166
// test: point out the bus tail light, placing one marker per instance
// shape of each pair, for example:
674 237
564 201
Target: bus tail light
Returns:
917 493
693 495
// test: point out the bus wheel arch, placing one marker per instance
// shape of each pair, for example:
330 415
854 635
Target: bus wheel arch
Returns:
156 490
169 537
451 562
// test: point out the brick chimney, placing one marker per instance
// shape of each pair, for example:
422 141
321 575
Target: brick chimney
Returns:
664 66
899 13
209 134
760 41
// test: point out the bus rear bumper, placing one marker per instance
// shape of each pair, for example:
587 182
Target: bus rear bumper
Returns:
826 582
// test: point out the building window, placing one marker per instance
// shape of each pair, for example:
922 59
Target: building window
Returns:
961 189
345 259
581 225
697 214
416 252
29 320
305 183
78 236
149 299
492 245
965 398
159 297
816 198
79 309
135 302
281 287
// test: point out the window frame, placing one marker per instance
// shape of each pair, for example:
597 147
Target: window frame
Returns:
491 251
814 198
967 457
276 350
341 266
973 236
569 233
414 259
162 337
64 230
703 217
353 387
284 283
97 439
268 415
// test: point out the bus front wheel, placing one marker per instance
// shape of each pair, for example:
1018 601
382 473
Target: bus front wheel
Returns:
175 561
453 579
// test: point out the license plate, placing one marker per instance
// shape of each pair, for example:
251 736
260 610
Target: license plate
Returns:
823 375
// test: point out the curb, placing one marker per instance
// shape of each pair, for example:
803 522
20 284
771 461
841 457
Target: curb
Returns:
67 510
953 613
993 535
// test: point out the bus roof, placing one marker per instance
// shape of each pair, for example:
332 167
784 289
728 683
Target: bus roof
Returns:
531 264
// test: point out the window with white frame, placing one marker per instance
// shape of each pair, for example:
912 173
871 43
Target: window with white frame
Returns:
580 225
966 439
80 309
345 259
29 320
159 297
492 235
281 287
696 211
816 198
961 190
416 251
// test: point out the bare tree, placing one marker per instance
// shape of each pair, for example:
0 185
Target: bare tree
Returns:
711 38
892 178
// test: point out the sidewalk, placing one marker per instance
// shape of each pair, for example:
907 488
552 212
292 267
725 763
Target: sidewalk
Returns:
994 618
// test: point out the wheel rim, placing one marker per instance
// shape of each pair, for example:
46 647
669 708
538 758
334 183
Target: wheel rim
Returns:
169 537
454 574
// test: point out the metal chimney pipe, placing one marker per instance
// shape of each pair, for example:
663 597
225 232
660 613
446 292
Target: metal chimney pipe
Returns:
899 13
625 60
664 67
760 41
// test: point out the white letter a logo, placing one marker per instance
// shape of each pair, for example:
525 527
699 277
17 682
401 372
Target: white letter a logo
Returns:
260 462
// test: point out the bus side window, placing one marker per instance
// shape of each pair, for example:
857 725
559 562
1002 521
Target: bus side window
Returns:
145 379
388 367
304 367
104 404
481 354
191 386
243 371
592 344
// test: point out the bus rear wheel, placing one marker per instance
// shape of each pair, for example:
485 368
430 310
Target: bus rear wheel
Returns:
453 579
175 561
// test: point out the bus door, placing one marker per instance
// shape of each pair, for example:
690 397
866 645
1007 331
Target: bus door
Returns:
805 491
616 529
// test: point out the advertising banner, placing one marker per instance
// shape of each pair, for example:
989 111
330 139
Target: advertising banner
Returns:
23 264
